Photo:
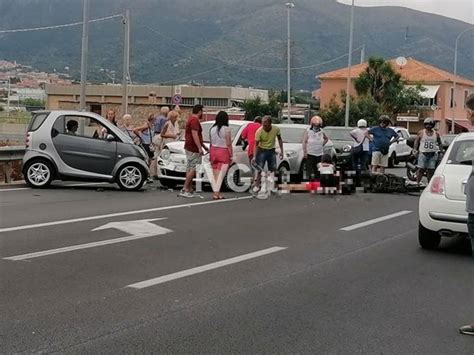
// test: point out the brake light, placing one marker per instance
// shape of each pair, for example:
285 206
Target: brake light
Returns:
437 185
27 140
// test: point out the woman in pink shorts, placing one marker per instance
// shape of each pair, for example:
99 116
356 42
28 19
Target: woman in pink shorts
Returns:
220 155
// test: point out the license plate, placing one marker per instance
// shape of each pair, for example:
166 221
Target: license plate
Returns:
180 169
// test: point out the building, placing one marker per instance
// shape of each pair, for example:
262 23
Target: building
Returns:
439 95
145 99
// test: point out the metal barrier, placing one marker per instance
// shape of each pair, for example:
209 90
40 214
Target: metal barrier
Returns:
12 153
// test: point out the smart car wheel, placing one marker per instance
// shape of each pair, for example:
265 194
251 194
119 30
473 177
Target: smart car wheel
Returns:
38 173
427 238
130 177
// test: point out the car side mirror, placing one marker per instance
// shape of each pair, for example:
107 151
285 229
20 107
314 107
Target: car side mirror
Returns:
110 138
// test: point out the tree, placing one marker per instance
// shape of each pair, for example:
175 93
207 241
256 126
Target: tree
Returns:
386 87
255 107
364 107
33 102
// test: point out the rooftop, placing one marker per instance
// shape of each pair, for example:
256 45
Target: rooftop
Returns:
413 71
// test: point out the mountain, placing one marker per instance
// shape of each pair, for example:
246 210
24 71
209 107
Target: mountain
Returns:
173 40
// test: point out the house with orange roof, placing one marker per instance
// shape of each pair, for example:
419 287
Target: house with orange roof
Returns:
442 101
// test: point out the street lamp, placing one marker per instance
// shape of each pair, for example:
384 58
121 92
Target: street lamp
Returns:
348 85
455 74
109 73
289 6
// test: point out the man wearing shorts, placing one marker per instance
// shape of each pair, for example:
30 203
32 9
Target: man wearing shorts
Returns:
427 143
382 136
265 153
194 148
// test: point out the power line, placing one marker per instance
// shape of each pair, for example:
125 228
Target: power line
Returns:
59 26
248 65
220 67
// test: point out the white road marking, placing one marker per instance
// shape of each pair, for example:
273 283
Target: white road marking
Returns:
77 247
139 230
118 214
374 221
15 189
204 268
68 185
140 227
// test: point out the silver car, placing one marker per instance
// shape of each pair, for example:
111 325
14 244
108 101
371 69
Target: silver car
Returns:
83 146
172 160
292 135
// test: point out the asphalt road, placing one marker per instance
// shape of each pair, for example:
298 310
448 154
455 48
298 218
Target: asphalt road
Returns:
235 276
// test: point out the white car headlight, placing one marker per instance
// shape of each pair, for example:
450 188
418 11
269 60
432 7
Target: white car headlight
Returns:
205 159
347 148
291 154
165 154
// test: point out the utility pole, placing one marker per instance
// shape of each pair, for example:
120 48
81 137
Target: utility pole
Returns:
289 6
362 54
453 98
126 61
8 96
85 49
348 87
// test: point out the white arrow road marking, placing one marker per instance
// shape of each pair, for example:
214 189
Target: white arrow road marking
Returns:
199 269
119 214
141 229
373 221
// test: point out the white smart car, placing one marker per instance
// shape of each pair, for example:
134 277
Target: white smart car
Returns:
442 207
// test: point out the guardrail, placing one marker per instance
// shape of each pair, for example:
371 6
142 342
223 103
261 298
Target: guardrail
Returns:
11 153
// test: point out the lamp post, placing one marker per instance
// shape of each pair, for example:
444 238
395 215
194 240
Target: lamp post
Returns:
85 47
109 73
289 6
348 86
453 98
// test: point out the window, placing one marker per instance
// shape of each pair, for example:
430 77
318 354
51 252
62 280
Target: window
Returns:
215 102
37 121
466 94
80 126
452 98
462 153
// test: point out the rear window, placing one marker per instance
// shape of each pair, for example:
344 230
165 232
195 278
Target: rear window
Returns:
462 153
37 121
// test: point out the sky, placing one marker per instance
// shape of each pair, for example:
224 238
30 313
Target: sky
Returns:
459 9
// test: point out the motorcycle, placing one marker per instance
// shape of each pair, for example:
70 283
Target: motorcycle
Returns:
412 168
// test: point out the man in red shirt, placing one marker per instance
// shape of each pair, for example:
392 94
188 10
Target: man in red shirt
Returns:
248 134
194 148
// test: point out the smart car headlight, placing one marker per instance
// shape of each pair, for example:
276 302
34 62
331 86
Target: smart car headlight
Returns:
347 148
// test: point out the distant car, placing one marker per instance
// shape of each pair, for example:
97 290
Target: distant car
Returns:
71 145
442 206
342 143
447 139
292 135
172 160
399 151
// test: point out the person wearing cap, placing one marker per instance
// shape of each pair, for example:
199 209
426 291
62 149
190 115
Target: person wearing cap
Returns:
314 140
427 146
382 136
360 150
469 329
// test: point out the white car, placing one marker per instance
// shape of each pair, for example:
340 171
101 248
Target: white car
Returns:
442 207
399 151
171 163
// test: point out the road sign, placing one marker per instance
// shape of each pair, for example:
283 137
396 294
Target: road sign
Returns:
176 99
408 119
